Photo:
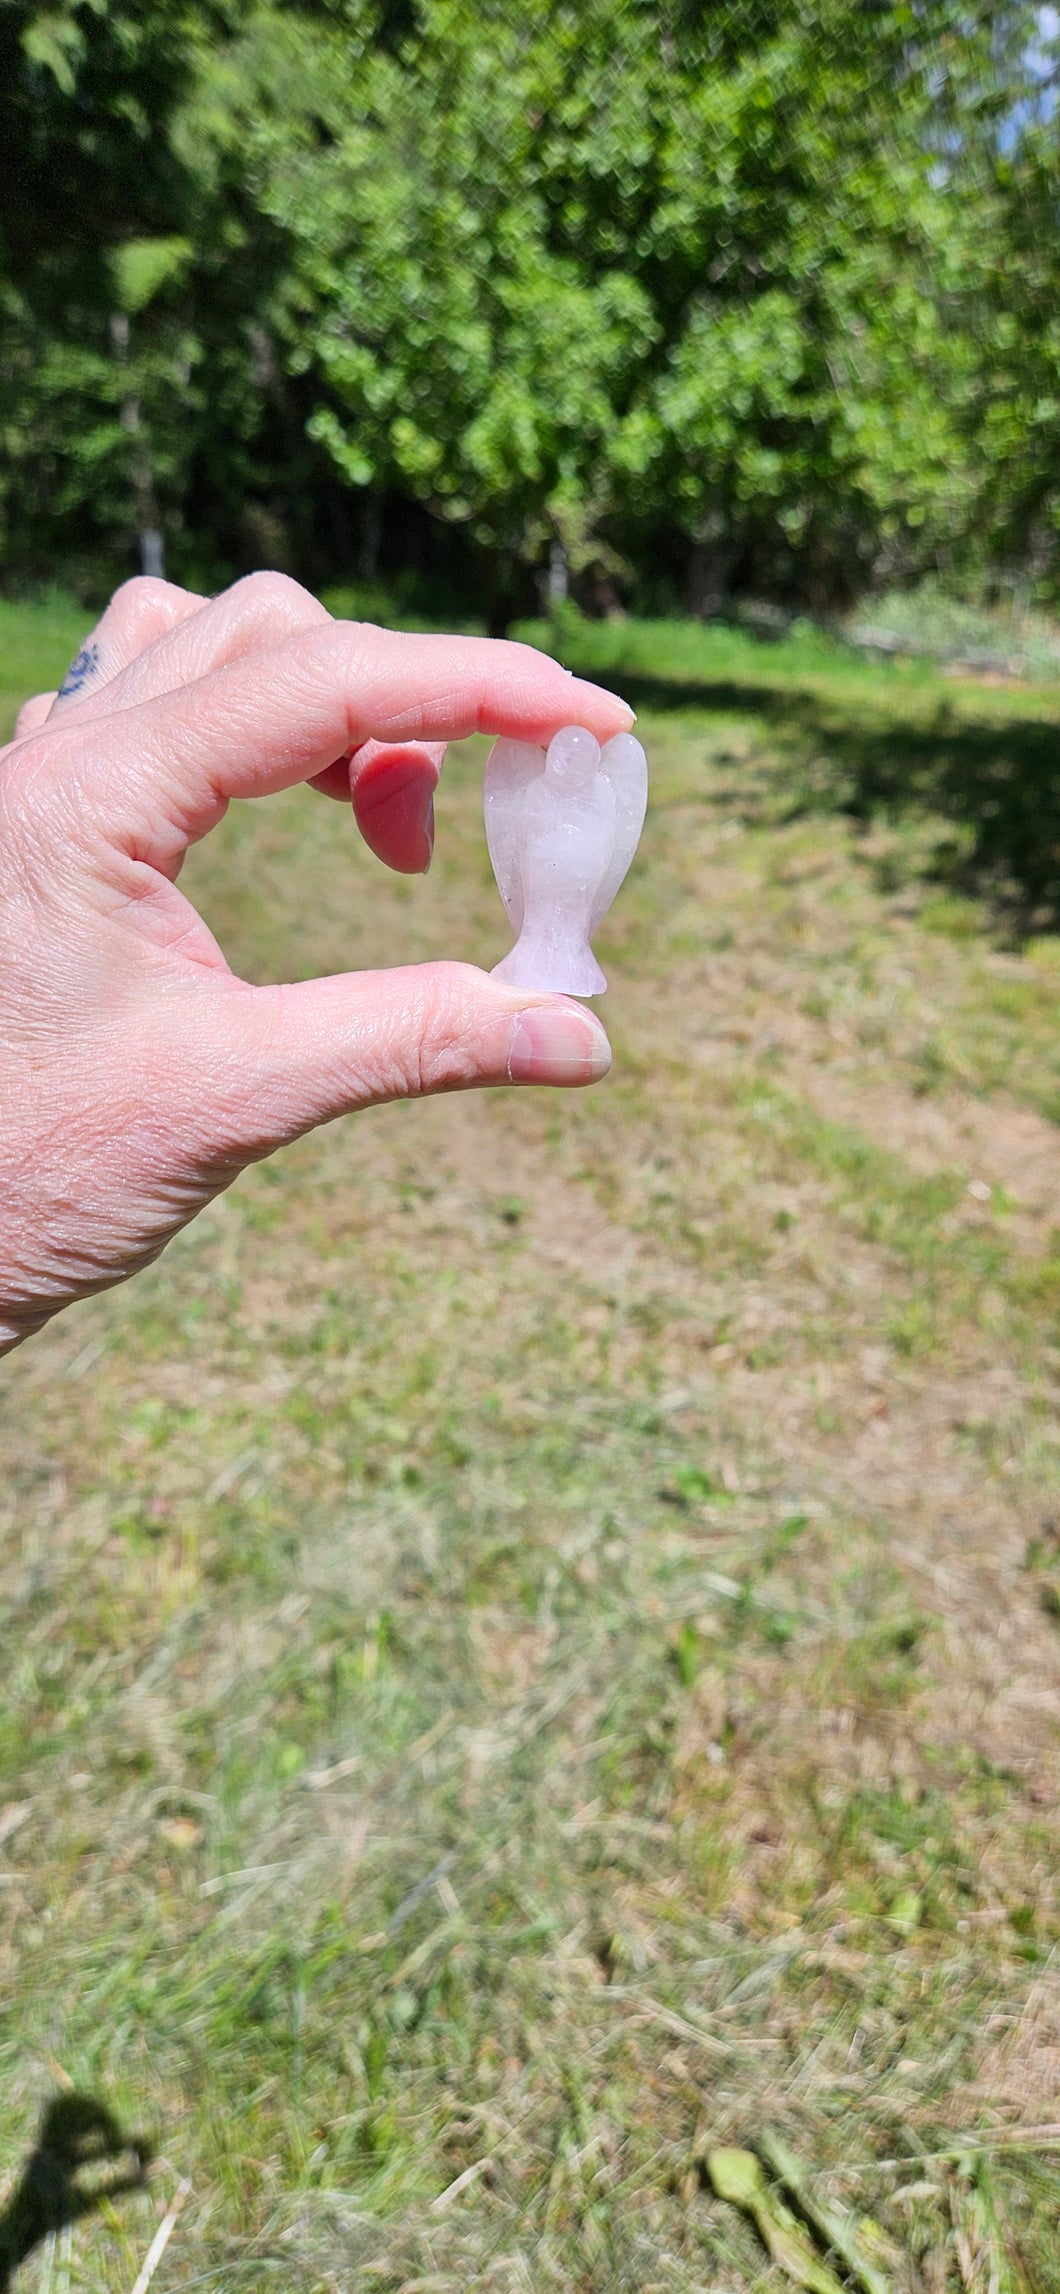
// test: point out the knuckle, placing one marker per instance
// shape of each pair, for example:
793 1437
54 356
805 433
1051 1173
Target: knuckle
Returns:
32 811
30 758
441 1049
141 595
32 714
276 595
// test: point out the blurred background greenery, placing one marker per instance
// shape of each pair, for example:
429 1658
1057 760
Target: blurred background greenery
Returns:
655 302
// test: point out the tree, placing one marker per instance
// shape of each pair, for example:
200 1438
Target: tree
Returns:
1015 398
748 294
140 387
87 242
594 275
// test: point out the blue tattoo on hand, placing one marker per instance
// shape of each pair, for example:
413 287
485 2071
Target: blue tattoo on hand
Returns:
81 669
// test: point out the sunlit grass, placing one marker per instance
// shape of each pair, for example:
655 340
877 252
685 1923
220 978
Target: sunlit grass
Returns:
532 1632
37 643
719 652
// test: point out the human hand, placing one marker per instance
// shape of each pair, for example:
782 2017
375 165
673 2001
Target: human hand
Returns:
138 1075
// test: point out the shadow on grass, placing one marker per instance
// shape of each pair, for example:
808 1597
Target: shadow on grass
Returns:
80 2159
997 780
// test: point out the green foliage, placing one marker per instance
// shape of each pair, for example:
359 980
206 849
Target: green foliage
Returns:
578 281
137 383
726 300
143 266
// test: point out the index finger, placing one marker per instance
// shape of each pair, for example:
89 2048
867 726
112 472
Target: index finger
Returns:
271 719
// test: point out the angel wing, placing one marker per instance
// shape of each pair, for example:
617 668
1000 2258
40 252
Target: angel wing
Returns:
510 767
626 766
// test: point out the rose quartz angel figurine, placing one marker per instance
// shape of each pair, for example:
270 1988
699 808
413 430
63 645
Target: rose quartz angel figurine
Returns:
562 828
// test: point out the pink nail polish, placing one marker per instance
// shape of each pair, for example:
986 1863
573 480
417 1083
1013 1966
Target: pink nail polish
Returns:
394 803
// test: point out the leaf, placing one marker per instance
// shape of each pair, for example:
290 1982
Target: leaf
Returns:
739 2177
833 2225
699 1488
142 267
57 44
688 1653
985 2257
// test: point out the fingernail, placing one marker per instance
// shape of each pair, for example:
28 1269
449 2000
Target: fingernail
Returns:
395 811
557 1043
629 714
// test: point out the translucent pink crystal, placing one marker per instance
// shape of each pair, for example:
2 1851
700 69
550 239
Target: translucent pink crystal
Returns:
562 828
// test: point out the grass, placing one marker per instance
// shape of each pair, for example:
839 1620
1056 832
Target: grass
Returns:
37 644
928 621
532 1635
975 762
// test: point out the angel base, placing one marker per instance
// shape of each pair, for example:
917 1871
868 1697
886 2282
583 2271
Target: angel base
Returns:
551 970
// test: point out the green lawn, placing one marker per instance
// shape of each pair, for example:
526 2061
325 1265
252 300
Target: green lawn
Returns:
531 1635
37 645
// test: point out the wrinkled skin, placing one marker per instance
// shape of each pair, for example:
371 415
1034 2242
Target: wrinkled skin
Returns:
138 1075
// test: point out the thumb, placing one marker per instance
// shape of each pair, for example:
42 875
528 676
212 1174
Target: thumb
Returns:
287 1058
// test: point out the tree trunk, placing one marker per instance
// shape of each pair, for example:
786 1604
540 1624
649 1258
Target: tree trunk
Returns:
371 529
558 576
706 582
150 538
